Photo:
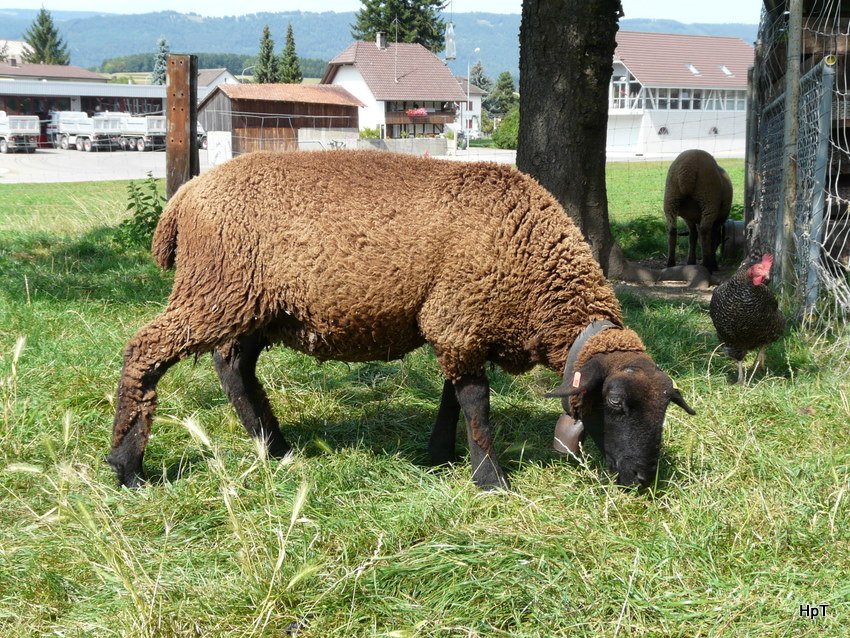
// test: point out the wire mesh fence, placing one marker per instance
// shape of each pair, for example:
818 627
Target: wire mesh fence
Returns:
819 290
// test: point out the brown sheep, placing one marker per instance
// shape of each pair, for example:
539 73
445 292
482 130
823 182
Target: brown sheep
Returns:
366 255
699 191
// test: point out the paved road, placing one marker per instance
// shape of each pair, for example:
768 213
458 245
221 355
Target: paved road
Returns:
56 165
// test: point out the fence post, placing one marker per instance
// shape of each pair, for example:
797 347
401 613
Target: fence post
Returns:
181 141
750 161
785 234
818 199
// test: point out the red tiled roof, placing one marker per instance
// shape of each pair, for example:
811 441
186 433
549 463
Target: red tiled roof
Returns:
312 93
662 59
399 72
49 72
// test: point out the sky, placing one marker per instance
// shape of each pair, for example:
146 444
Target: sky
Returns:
744 11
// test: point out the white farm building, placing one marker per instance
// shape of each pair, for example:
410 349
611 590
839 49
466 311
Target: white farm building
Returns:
671 92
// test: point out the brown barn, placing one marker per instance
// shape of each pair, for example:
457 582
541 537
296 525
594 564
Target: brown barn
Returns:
269 116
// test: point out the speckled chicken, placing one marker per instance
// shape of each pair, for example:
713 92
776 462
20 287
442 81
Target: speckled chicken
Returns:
745 313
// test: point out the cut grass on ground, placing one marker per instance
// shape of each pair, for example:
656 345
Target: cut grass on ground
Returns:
354 534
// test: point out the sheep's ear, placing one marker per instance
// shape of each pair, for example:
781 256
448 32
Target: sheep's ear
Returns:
591 375
677 398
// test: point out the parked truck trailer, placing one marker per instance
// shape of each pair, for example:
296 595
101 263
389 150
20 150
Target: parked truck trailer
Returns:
18 133
77 129
143 132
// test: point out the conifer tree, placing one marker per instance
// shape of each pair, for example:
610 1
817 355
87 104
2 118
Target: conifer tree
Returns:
45 42
479 79
412 20
266 71
290 69
503 96
160 62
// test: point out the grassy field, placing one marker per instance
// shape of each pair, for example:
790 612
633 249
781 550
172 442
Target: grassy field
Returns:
354 534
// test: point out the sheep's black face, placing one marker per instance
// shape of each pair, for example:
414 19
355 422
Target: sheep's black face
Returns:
624 401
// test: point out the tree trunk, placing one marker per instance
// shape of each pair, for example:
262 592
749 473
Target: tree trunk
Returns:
566 61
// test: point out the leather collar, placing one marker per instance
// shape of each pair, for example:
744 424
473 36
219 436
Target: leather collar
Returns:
591 330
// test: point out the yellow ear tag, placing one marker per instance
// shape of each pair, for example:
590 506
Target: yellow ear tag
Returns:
577 379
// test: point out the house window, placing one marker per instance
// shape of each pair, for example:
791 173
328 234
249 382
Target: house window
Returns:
663 99
663 131
696 104
713 131
674 99
469 105
469 123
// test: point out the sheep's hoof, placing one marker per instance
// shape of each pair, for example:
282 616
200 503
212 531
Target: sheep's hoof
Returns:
488 481
278 449
132 479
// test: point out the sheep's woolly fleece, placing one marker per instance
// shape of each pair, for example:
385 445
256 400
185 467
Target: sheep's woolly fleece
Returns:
695 174
362 255
625 340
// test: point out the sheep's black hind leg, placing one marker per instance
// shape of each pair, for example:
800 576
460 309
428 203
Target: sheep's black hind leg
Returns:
473 395
693 235
236 365
444 435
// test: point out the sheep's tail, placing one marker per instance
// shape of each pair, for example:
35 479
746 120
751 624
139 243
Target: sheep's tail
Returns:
164 244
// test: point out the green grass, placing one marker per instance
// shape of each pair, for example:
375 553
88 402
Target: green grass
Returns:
355 535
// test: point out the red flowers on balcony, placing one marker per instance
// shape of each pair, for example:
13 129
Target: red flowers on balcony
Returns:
420 112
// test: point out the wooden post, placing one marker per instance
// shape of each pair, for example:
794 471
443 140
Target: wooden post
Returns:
785 236
750 162
181 114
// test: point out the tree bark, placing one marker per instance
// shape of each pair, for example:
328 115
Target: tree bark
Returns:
566 62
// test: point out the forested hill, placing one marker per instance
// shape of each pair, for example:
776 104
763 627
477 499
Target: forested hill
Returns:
93 38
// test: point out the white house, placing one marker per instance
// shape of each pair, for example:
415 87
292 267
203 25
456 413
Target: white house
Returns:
208 79
469 113
671 92
12 51
406 89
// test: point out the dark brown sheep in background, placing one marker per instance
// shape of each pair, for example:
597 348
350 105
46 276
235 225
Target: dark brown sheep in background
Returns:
699 191
365 256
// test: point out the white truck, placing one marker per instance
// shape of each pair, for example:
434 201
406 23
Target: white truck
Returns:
76 128
142 133
18 133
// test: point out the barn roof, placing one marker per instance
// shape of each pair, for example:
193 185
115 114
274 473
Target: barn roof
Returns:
308 93
664 59
399 71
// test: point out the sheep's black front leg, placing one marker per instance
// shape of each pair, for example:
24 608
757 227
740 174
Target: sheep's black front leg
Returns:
444 434
236 365
709 236
473 395
672 238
